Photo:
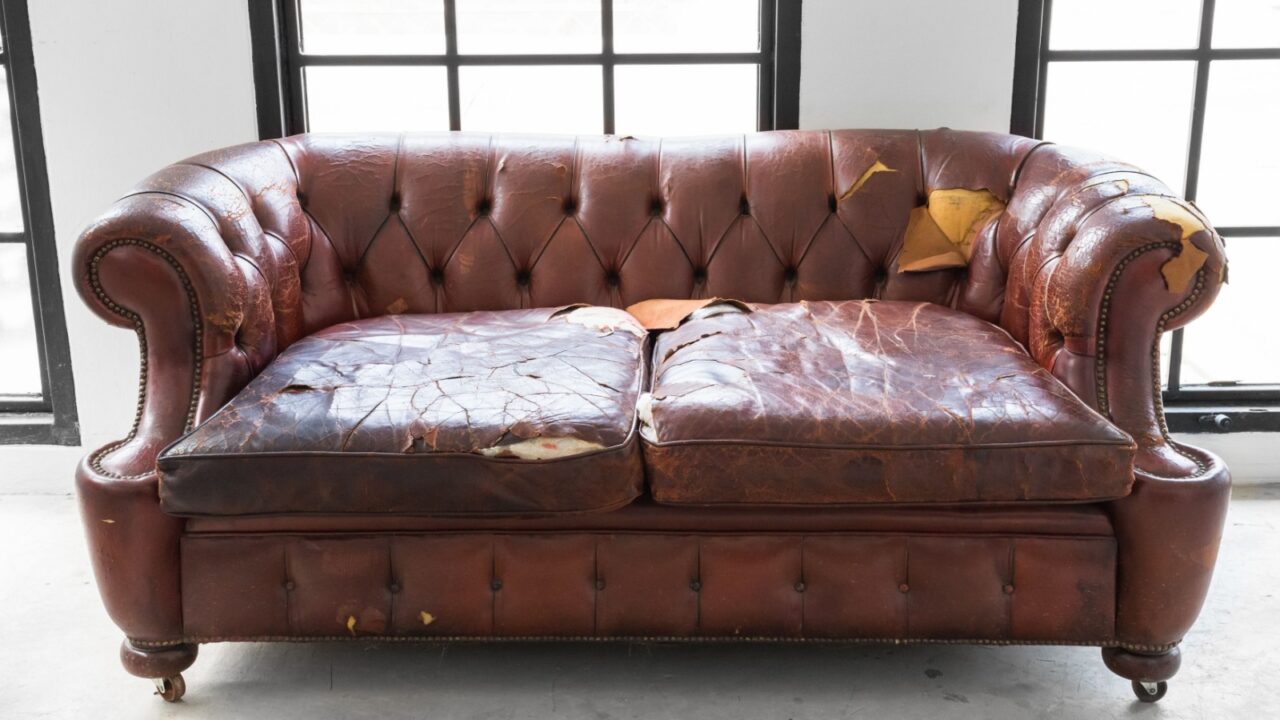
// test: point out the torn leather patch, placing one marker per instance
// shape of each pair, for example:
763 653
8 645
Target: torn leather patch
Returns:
940 233
666 314
1179 270
876 167
604 320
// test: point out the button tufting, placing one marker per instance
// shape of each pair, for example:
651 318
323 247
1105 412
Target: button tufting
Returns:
600 584
831 202
655 206
522 278
744 206
302 198
699 274
800 586
790 275
1008 589
484 206
695 586
904 587
288 585
570 205
496 585
394 587
395 202
612 279
437 276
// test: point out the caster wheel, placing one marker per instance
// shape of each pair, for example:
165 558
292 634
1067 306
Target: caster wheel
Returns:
172 688
1149 692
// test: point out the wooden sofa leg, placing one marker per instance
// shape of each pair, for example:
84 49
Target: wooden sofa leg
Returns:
161 665
1149 672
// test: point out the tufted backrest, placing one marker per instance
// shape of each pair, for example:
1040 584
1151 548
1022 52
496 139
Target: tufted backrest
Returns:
359 226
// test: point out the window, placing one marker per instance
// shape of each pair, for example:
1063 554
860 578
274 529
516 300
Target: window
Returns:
639 67
1190 91
37 398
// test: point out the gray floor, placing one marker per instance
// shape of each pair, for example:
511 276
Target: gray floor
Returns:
59 659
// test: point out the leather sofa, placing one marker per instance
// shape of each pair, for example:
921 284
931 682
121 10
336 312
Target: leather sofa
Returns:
875 386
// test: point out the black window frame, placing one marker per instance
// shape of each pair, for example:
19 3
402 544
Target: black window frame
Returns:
49 419
1216 407
279 64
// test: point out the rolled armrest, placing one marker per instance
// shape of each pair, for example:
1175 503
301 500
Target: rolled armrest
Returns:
1111 260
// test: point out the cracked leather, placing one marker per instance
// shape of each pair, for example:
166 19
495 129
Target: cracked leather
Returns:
426 413
860 401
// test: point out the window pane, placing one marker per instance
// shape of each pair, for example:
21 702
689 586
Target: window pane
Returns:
372 27
712 99
374 99
10 199
19 361
658 26
1247 23
528 26
1138 112
535 99
1240 159
1124 24
1215 347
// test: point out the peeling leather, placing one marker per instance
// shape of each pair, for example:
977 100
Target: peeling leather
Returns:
666 314
403 413
854 402
941 234
1179 271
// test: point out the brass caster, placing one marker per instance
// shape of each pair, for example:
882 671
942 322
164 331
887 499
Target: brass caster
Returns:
171 688
1149 692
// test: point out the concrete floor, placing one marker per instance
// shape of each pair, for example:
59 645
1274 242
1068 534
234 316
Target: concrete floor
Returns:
59 659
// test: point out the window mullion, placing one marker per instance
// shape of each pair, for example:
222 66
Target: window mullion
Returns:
606 69
451 63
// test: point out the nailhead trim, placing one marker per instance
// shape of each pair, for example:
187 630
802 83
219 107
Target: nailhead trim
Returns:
651 638
95 283
1100 361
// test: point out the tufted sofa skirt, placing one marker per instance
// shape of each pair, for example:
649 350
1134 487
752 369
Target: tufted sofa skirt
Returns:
651 586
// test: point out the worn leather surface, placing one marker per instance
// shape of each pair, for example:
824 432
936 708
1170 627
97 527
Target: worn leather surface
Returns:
820 403
488 412
651 584
224 260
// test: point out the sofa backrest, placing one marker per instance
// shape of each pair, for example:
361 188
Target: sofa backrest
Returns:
344 226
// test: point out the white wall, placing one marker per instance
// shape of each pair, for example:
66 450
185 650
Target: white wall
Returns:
907 64
126 87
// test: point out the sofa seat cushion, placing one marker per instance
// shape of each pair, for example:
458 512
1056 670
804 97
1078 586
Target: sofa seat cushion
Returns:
827 403
520 411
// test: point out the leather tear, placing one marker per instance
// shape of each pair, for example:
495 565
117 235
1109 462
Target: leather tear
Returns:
644 413
876 167
398 307
604 320
294 388
541 448
1179 270
667 314
940 233
427 618
351 624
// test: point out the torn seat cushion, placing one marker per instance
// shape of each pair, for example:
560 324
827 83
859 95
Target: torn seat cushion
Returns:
512 412
826 403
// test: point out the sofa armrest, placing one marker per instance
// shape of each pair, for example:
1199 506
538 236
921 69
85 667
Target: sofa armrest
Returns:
1115 272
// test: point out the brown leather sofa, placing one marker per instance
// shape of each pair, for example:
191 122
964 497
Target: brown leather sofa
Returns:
388 392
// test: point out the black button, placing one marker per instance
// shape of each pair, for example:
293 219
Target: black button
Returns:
522 278
484 206
289 585
790 275
655 206
831 202
395 587
496 585
800 586
395 202
612 279
350 275
881 277
570 204
695 586
600 584
744 206
302 198
437 276
699 274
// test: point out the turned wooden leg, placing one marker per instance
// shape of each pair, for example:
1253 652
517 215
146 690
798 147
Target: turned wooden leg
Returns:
1149 672
161 665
